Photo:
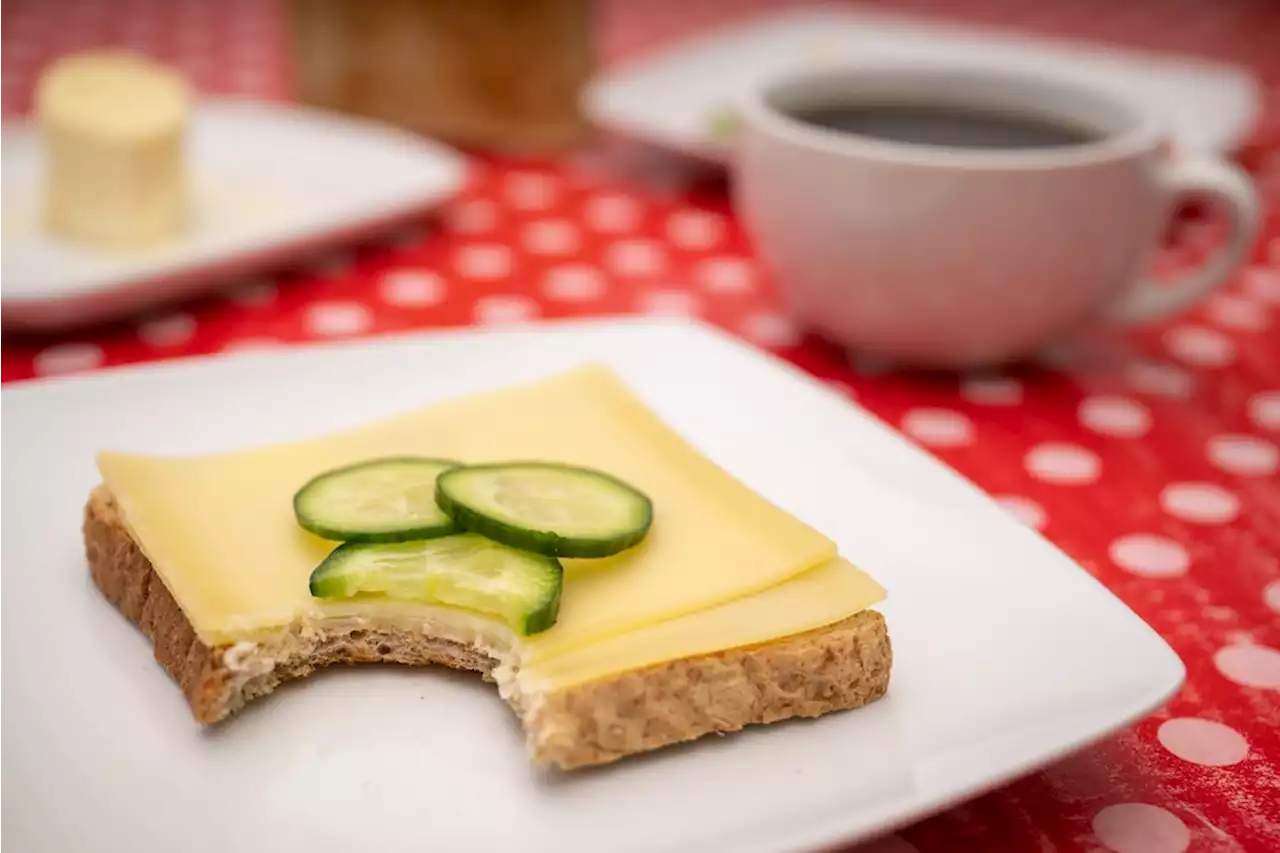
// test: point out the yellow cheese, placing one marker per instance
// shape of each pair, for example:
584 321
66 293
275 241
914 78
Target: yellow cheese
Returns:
113 126
220 528
813 599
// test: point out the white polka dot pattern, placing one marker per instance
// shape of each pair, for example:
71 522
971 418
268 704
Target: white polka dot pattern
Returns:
573 283
1200 347
1203 742
726 275
636 258
409 288
938 427
67 358
695 229
1141 828
1244 455
504 310
168 331
1264 410
1249 665
484 261
1025 510
337 319
669 303
551 237
1063 464
1202 503
770 330
1115 416
1149 555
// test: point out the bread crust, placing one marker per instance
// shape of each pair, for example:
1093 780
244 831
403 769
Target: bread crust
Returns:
839 667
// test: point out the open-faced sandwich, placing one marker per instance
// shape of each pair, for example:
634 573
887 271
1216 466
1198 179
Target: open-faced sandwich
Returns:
623 591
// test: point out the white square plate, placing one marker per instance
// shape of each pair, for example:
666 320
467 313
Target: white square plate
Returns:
1008 655
671 98
268 182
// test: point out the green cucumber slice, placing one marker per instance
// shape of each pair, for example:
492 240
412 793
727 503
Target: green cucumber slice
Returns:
545 507
381 500
462 570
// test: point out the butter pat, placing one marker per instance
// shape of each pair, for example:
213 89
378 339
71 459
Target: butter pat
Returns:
113 125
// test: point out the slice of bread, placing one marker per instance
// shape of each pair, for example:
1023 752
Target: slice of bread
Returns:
842 666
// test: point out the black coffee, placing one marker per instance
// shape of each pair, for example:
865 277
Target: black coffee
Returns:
947 125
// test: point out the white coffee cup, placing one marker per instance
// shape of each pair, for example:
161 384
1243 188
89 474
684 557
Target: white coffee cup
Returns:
949 256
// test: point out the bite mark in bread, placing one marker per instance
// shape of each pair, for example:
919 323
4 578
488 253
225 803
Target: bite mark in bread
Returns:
839 667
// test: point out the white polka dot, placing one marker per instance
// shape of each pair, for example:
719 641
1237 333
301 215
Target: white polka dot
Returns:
573 283
411 288
472 217
337 319
249 345
168 331
695 229
613 214
770 330
68 358
1244 455
636 257
1065 464
886 844
1200 347
1025 510
992 390
1163 380
1249 665
669 303
1261 283
1205 503
1149 555
726 275
1264 409
530 190
551 237
1271 595
1235 312
484 261
1141 828
1116 416
505 310
938 427
1203 741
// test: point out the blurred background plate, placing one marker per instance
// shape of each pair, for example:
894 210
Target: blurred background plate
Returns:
682 98
269 182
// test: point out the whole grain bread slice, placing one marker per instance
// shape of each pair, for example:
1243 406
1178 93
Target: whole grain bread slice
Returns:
838 667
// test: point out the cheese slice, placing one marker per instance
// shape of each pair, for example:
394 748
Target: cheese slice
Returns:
220 531
112 125
813 599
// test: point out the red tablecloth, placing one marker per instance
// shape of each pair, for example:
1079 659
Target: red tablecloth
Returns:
1151 458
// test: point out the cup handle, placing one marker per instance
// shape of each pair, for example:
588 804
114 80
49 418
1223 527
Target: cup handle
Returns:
1216 181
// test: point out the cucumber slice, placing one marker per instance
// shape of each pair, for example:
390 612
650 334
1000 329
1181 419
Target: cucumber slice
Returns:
382 500
547 508
463 570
